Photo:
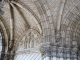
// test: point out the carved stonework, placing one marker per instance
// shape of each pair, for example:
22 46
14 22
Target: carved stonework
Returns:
48 50
58 36
58 39
31 39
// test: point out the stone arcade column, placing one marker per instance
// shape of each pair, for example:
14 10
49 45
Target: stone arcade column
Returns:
46 51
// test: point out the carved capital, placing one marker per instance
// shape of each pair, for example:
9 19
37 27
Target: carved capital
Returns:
46 50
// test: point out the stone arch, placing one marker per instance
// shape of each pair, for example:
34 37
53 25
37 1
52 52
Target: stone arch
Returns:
26 8
70 23
31 36
69 28
5 30
5 33
47 20
4 40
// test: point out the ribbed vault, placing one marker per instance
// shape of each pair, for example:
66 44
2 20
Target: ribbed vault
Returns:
70 29
17 19
70 24
40 29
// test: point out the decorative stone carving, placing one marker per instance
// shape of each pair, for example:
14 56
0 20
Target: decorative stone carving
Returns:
31 39
58 39
58 36
46 51
50 51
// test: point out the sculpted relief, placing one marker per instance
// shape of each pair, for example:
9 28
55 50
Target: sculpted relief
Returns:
31 39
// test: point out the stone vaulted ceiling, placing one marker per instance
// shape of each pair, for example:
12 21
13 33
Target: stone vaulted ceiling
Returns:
32 23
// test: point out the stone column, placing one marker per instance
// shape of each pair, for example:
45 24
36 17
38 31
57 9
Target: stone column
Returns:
54 49
46 51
